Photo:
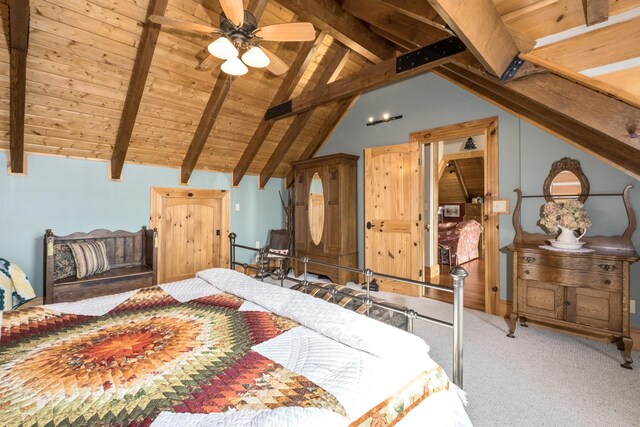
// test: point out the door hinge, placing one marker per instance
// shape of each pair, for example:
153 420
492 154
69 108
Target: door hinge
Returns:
419 217
420 273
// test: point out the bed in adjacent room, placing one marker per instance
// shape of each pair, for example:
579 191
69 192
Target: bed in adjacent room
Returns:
221 349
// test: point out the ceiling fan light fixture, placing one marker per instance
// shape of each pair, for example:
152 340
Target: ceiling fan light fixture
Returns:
223 48
234 67
256 58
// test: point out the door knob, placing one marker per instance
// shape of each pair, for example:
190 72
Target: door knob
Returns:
369 225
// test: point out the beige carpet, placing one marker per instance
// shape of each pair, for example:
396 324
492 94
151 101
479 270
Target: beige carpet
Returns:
539 378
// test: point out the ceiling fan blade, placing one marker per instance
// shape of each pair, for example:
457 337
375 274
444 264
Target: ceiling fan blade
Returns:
182 25
291 32
234 10
207 63
277 65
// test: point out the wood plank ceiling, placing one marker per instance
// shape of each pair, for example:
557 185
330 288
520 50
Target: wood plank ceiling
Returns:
82 55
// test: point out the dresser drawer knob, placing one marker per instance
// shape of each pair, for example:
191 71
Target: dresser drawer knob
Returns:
567 303
528 259
607 267
527 272
607 282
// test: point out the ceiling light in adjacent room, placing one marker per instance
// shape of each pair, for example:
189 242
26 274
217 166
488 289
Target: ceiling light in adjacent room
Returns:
235 67
385 116
256 58
223 48
470 145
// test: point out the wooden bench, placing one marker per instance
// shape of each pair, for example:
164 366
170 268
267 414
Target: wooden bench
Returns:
132 259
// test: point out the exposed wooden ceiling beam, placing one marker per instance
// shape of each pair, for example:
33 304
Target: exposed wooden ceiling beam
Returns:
419 10
288 85
463 186
596 11
386 17
613 43
477 23
334 66
328 16
212 109
137 82
207 121
18 47
557 105
401 44
323 133
373 77
612 89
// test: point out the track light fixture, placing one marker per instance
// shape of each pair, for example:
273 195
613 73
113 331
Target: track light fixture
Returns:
386 117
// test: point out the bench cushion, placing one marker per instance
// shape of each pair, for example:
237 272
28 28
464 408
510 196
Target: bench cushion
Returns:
110 274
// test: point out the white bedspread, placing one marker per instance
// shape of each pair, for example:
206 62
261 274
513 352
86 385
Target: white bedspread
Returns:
358 360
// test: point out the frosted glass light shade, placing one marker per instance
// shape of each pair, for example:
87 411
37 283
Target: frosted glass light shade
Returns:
223 48
255 58
235 67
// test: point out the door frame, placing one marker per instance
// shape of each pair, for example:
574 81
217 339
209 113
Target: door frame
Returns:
157 194
489 128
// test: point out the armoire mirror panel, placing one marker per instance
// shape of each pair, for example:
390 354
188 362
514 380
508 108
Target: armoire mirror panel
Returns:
316 209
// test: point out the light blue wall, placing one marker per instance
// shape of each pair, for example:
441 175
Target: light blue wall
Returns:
68 195
525 156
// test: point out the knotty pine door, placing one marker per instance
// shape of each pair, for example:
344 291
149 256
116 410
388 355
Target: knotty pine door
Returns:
193 226
394 237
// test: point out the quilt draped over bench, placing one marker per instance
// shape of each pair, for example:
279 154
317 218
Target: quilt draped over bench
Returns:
15 288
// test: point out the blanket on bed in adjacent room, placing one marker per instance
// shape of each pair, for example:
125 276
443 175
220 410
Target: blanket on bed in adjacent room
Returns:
187 349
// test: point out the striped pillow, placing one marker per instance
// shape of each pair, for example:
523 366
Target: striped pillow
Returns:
90 258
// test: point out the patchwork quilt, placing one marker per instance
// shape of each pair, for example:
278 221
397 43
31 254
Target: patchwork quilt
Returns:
193 353
15 288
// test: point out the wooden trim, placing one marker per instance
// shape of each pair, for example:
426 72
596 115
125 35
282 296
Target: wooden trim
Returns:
489 127
482 30
333 68
139 74
19 13
596 11
328 16
288 85
503 308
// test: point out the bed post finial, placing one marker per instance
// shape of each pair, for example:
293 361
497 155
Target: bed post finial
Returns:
232 250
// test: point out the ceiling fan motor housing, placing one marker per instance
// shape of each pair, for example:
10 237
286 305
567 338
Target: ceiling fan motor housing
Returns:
239 36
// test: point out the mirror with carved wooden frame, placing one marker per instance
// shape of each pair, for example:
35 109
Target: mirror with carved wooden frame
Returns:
566 179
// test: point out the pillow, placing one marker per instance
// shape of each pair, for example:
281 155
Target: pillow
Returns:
63 265
279 251
15 288
90 258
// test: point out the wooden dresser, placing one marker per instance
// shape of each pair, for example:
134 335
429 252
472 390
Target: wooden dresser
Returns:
338 242
586 293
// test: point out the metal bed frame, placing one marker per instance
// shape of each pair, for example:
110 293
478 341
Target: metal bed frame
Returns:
458 274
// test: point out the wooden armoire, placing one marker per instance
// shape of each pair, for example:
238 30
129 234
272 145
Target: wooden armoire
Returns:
327 233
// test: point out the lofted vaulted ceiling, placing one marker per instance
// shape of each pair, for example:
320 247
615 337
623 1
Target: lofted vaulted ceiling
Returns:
96 72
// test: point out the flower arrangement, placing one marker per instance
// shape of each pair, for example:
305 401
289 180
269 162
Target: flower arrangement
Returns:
568 214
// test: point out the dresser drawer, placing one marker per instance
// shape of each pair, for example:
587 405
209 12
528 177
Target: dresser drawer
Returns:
582 263
608 282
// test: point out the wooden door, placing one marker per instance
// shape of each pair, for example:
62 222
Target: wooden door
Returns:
193 226
393 214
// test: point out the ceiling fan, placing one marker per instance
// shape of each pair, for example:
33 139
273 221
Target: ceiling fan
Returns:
238 32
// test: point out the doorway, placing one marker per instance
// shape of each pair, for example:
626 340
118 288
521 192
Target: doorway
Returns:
193 226
460 182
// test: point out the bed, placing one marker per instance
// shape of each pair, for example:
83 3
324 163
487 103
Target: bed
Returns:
221 349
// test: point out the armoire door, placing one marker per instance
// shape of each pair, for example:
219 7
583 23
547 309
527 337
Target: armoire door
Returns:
394 236
193 226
